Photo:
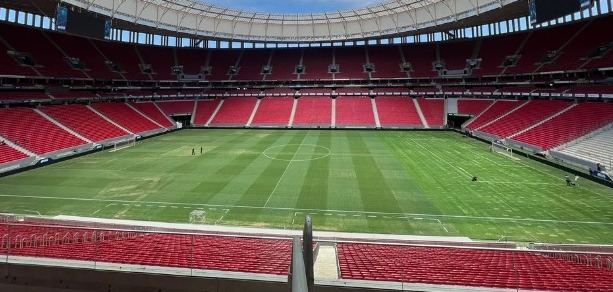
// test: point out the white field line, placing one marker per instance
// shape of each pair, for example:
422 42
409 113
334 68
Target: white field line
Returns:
560 178
459 169
311 211
286 168
224 214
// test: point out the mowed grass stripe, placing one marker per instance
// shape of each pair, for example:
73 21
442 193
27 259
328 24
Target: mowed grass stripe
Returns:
408 192
269 177
314 191
224 185
375 193
287 192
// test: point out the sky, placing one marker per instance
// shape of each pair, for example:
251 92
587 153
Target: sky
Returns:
293 6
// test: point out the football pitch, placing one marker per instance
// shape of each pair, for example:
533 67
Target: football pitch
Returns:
398 182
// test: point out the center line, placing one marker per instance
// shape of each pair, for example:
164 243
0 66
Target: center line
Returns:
283 174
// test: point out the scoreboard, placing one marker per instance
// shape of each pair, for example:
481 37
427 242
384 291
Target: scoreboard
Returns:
82 23
546 10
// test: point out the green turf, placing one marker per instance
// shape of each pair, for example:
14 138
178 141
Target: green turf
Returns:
358 181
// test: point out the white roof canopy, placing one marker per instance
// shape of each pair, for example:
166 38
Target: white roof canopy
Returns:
207 20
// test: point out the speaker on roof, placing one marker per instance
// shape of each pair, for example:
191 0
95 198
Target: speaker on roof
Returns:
405 67
113 66
299 69
233 70
266 69
146 68
369 67
205 70
333 68
177 70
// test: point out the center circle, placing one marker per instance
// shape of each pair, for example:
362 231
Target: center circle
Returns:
314 151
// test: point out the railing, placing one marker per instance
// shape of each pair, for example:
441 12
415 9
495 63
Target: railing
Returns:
596 261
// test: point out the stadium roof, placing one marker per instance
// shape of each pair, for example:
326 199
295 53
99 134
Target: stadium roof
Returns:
198 19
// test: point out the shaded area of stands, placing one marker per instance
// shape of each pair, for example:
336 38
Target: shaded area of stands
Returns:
23 95
176 107
387 61
574 46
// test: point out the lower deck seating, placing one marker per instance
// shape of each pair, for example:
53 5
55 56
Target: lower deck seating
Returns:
204 110
468 267
498 109
397 111
473 107
274 111
153 112
125 116
265 256
433 110
8 153
235 111
572 124
354 111
314 111
532 113
27 128
597 149
84 121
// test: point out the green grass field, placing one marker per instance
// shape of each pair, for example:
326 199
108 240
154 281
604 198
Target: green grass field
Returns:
357 181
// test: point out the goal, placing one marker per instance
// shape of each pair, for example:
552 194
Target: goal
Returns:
197 216
500 148
123 144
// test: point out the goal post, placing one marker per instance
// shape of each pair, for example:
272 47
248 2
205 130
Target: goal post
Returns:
197 217
123 144
501 149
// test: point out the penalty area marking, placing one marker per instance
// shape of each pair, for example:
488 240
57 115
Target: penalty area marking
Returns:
268 153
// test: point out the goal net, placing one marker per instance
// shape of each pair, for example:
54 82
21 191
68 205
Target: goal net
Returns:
501 149
197 216
123 144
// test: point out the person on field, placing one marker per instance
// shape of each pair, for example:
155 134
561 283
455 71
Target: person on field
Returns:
568 181
193 151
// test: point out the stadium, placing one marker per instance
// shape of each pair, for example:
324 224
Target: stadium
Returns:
415 145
